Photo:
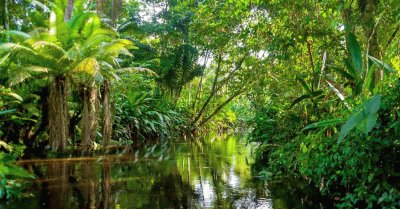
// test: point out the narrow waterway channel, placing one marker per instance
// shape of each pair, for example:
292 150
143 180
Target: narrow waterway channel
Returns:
214 173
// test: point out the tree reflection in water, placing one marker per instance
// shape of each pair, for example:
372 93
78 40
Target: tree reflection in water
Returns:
211 174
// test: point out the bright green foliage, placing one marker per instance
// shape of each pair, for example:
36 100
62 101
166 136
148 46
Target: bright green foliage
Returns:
345 145
141 113
313 80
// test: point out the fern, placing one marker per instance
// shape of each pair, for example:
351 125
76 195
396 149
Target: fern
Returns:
91 25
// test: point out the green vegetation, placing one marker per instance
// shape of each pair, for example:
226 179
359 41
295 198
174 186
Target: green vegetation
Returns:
314 83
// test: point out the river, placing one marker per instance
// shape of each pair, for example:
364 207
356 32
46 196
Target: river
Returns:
213 172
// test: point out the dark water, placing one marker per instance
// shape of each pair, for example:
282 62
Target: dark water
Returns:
212 174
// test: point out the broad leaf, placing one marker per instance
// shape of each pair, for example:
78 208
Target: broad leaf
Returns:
369 79
364 117
355 51
346 128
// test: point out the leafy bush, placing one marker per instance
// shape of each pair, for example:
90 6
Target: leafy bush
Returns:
11 175
359 169
142 113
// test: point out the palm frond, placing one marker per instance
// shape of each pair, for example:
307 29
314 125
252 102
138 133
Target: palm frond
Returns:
18 77
23 73
91 25
48 49
89 66
16 34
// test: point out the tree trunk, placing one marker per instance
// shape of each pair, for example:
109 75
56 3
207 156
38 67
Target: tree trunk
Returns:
5 16
44 101
58 114
367 9
68 10
100 7
220 107
212 93
116 6
89 117
107 114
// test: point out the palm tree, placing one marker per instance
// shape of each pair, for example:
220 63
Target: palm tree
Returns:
82 45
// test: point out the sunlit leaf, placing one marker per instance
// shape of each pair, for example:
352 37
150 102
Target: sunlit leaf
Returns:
14 95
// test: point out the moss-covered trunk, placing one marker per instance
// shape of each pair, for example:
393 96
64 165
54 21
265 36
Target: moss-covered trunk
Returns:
58 114
107 114
89 117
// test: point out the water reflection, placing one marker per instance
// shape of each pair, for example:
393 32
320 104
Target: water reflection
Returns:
213 174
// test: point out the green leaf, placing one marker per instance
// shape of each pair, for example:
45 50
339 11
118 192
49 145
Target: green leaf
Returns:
17 171
346 128
368 114
369 79
383 65
364 117
14 95
304 84
17 33
3 112
322 124
355 51
301 98
4 58
91 25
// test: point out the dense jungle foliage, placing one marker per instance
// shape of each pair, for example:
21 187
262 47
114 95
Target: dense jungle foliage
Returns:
314 83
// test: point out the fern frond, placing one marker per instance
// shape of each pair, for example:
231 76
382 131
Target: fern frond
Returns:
118 47
18 77
94 42
4 58
91 25
16 35
21 74
48 49
76 24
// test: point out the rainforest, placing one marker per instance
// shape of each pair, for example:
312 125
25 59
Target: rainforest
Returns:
199 104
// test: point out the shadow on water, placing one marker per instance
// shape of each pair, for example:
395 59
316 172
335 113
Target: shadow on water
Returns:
212 174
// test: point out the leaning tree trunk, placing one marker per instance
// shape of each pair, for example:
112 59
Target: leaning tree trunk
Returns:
58 114
89 117
107 115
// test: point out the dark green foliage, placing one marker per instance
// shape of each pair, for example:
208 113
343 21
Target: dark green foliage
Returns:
12 184
180 67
